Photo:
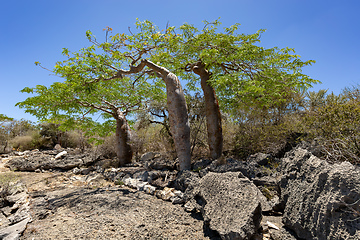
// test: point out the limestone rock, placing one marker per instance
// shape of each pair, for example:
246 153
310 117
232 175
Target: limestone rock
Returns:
148 156
61 155
161 163
230 204
322 201
14 231
51 159
257 165
149 189
166 194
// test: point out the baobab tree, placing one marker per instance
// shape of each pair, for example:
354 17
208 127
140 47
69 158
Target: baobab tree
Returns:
233 66
114 77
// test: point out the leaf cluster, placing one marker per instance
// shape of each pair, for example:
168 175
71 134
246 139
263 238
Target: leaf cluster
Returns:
243 73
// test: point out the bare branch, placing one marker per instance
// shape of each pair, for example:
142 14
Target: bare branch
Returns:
112 106
87 104
158 115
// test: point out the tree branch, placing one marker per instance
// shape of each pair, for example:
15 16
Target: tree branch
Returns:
87 104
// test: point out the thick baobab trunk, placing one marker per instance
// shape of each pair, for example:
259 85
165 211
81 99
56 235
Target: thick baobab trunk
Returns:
178 115
123 136
212 111
179 121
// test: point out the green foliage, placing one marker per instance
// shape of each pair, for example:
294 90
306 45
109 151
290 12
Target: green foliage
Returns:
335 124
4 118
244 75
93 88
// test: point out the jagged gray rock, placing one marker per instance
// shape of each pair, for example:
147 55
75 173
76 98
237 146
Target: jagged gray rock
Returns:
322 200
257 165
16 212
14 232
230 204
33 160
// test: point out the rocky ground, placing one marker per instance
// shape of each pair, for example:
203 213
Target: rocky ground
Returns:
108 213
72 195
69 206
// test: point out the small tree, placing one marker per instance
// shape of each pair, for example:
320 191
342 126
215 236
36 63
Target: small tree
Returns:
79 98
95 81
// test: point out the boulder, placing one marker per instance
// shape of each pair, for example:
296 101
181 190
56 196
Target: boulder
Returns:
186 181
322 200
230 204
160 163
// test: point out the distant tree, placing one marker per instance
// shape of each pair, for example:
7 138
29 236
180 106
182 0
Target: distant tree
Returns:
3 131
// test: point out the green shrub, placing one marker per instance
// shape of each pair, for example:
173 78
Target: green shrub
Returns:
336 126
153 138
107 148
22 143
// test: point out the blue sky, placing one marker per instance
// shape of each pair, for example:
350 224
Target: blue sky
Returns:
37 30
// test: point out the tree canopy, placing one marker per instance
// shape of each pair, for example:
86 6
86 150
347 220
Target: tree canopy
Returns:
243 73
92 90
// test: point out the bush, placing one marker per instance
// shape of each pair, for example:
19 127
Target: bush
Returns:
74 139
336 126
107 148
249 137
22 143
153 138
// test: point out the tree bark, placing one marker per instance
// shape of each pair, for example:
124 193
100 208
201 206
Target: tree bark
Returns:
123 136
178 115
212 111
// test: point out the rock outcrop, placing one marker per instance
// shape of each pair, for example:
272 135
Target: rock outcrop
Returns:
52 159
14 212
300 192
322 200
230 204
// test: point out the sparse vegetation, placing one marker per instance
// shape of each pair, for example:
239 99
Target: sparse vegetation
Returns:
262 94
332 121
6 181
